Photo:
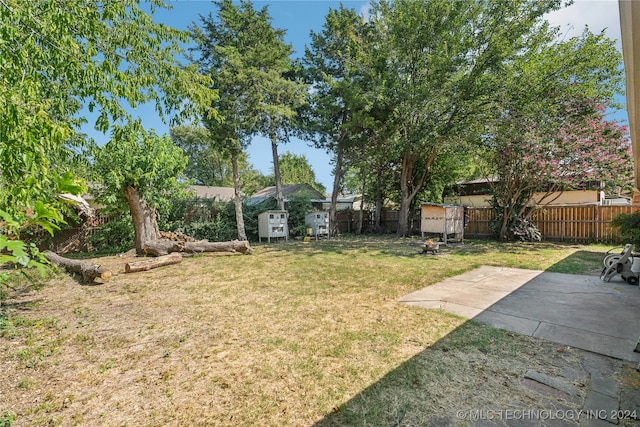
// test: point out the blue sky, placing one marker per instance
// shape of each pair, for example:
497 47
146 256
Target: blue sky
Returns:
299 17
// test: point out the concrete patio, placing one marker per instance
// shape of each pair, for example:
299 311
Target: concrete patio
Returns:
578 311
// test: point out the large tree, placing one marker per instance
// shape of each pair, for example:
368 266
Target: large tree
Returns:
443 62
338 108
145 181
585 152
249 61
551 132
223 41
60 57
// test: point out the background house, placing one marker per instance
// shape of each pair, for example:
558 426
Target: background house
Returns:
345 202
217 194
476 193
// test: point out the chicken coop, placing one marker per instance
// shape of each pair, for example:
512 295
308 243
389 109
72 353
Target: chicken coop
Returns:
317 223
447 221
273 225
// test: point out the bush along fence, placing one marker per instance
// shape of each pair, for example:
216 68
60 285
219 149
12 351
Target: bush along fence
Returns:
583 224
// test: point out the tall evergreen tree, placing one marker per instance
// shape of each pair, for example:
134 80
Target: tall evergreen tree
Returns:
248 61
338 106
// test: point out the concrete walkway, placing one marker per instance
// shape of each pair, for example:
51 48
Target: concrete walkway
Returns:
578 311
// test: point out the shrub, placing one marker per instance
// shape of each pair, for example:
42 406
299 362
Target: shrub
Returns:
525 231
114 236
202 219
7 418
629 227
298 207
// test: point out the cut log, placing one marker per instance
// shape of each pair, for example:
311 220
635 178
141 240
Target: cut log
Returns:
87 269
149 264
164 247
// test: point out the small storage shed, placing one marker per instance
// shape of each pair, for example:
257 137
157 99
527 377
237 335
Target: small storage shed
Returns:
273 224
318 222
445 220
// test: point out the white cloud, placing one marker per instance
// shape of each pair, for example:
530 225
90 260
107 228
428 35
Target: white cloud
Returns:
598 15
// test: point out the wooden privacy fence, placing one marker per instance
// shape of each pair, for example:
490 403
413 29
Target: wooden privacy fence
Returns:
589 223
348 221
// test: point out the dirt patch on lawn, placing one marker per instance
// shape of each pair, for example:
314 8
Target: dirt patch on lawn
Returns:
266 340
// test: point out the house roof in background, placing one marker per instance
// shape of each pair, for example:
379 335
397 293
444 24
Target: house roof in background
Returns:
219 194
287 191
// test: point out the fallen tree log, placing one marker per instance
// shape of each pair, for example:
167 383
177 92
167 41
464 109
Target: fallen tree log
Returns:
165 247
149 264
87 269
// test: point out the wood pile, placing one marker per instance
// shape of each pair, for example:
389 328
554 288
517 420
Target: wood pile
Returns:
175 236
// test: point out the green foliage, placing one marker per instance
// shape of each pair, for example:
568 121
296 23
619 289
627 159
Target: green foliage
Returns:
250 215
202 219
150 163
19 253
422 76
298 207
57 59
76 56
295 169
629 227
113 237
209 165
7 418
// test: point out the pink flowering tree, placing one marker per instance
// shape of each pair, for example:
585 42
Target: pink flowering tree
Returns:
536 153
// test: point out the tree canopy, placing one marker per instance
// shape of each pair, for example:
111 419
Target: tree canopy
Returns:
209 165
57 60
551 132
295 169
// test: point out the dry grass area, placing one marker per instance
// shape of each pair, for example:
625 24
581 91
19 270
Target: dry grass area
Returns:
296 334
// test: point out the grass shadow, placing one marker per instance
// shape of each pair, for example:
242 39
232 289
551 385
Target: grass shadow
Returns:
580 262
474 370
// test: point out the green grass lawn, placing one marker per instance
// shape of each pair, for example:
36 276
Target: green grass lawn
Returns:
295 334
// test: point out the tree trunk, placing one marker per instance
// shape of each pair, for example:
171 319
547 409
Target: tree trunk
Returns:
337 180
409 187
406 197
361 213
379 201
237 199
145 225
88 270
149 264
164 247
276 169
